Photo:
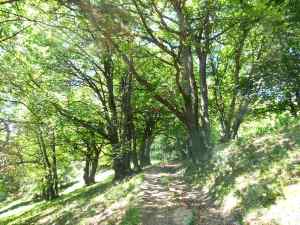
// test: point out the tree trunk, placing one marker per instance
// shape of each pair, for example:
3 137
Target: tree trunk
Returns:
50 182
145 150
50 191
142 152
94 167
91 162
231 130
121 166
204 95
239 118
86 174
134 157
293 108
147 157
128 128
198 149
54 165
297 94
148 137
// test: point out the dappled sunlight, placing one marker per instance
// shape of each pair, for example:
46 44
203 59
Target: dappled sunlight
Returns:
229 203
286 211
104 215
79 182
149 112
14 209
246 186
70 208
247 178
166 199
71 199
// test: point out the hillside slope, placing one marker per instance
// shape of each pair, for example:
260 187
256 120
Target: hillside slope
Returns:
256 179
253 180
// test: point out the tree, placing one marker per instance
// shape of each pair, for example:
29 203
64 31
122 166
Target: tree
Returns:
184 46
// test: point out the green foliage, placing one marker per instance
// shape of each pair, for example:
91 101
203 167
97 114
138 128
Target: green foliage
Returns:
172 144
131 217
82 73
3 191
255 168
92 198
123 189
261 194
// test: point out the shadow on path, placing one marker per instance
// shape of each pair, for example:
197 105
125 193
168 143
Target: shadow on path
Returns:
15 206
167 200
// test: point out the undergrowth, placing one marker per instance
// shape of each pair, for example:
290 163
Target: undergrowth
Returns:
254 168
131 217
80 205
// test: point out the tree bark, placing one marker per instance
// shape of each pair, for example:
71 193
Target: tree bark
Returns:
150 119
121 165
54 164
135 161
91 161
198 149
50 185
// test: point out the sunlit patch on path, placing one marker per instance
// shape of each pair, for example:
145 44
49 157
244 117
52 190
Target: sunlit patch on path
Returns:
165 198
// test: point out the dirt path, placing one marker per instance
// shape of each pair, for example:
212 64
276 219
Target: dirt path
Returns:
168 200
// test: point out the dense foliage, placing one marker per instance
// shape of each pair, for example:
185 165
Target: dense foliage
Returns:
112 83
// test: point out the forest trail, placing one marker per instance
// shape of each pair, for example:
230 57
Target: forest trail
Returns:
162 196
166 199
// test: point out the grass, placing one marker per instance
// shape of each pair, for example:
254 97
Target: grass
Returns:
254 178
83 206
131 217
251 173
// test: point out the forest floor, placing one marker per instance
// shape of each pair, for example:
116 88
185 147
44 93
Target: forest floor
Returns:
255 180
166 199
25 204
158 196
